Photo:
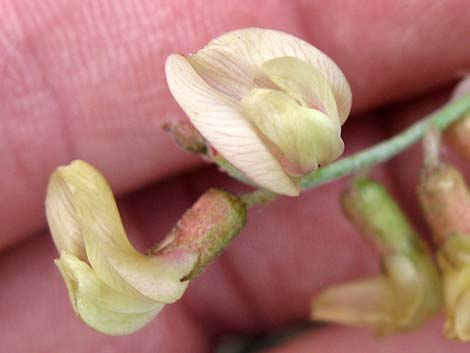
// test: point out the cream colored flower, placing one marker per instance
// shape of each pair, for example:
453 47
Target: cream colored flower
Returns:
271 104
408 290
400 299
112 287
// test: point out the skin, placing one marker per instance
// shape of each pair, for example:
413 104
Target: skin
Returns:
84 79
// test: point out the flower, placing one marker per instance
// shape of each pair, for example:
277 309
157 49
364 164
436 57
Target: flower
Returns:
271 104
114 288
407 291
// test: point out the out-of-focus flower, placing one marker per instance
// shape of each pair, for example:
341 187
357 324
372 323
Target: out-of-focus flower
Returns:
458 134
187 137
114 288
454 261
445 201
408 290
271 104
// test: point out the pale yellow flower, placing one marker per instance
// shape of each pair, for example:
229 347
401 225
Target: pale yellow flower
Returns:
401 298
112 287
271 104
408 290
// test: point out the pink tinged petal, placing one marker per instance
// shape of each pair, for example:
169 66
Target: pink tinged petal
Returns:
220 120
239 55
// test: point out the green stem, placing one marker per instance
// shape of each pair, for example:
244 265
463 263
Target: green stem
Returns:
389 148
258 197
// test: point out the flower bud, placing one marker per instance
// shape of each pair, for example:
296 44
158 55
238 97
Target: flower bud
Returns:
408 290
271 104
445 202
458 134
187 137
114 288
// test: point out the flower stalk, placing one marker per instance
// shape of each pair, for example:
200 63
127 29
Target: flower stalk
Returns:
258 197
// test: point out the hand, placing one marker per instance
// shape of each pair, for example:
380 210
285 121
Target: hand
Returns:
85 79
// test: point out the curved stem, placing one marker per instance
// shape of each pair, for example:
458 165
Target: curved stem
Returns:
389 148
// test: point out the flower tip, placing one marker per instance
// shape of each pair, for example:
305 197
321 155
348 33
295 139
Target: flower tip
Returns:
453 259
457 325
292 189
112 287
174 63
363 303
59 209
100 306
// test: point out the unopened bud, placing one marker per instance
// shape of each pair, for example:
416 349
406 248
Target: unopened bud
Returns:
408 290
187 137
458 134
445 201
207 227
